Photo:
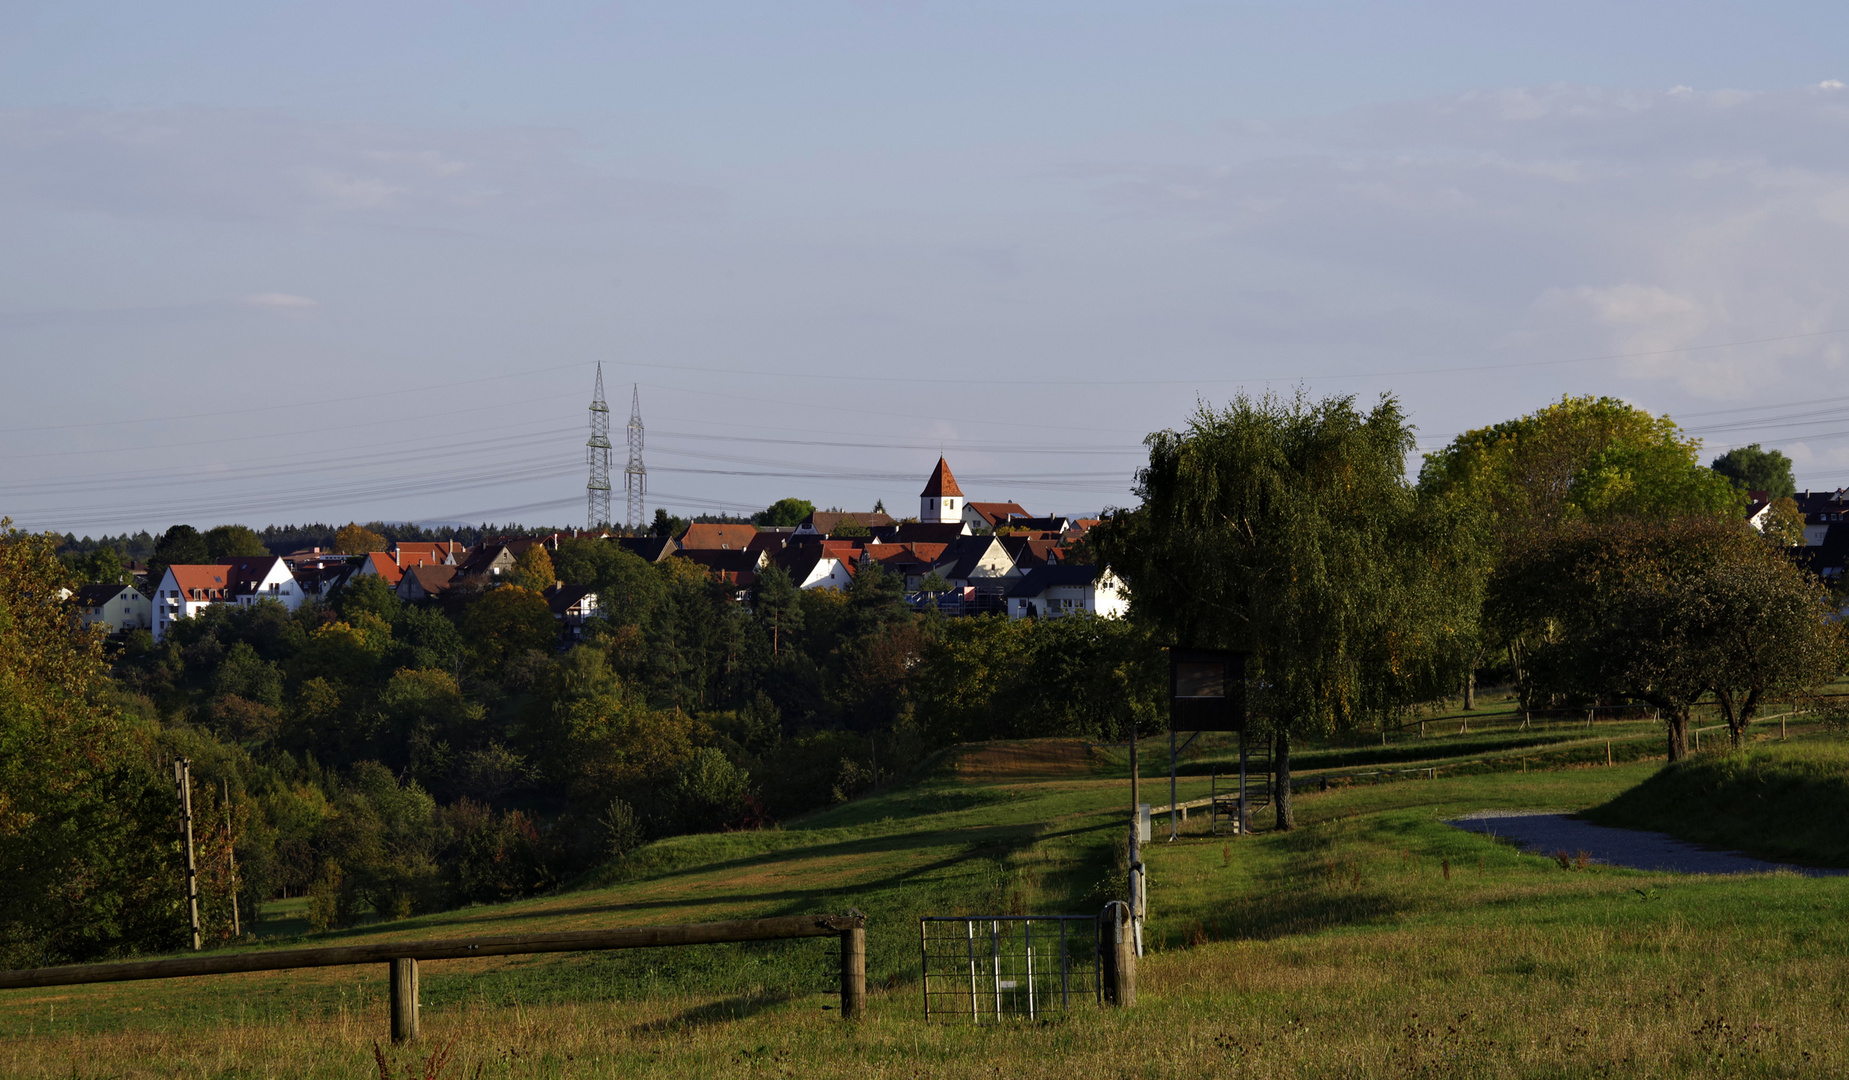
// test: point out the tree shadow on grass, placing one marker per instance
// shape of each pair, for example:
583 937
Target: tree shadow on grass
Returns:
716 1012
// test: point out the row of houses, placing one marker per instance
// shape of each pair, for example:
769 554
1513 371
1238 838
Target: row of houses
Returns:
963 558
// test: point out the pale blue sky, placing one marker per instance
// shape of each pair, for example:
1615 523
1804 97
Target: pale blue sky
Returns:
332 261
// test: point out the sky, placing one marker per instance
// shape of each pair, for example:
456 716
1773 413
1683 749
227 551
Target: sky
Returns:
296 262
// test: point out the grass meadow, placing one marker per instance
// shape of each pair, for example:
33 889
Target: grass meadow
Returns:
1373 941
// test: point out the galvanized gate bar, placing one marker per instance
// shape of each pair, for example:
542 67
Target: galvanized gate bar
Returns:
1011 963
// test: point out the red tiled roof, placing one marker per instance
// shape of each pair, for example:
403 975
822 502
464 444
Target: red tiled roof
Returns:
711 536
425 552
993 512
383 566
204 581
827 521
941 483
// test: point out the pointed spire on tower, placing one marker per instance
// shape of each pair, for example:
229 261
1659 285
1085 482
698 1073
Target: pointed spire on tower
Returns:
941 482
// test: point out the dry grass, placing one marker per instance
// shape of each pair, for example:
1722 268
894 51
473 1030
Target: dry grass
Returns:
1374 942
1510 1002
1017 759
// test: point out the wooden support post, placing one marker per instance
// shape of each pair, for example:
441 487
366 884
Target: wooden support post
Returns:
1117 944
231 854
404 1000
183 787
853 973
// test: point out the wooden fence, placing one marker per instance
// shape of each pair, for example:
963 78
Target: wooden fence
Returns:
402 957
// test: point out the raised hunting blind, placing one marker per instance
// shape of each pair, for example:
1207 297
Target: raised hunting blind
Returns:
1207 690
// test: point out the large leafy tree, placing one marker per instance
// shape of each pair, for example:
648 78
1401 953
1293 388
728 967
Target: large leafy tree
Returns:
784 512
1287 528
234 541
85 832
533 569
1584 459
508 622
356 539
1663 612
180 545
1754 469
1579 459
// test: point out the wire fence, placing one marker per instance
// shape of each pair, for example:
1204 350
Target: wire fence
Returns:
990 968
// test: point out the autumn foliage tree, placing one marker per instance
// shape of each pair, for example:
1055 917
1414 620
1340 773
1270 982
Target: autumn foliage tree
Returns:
355 539
533 569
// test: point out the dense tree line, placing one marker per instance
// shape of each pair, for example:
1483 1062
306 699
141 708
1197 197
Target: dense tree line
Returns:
384 758
1582 549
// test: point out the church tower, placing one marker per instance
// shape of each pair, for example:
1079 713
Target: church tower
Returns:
941 501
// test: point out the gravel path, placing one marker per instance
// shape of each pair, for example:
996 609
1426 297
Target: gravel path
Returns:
1545 832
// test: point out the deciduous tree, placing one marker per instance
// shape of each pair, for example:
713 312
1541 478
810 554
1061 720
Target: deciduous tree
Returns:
784 513
1754 469
533 569
234 541
1286 528
1663 612
83 822
355 539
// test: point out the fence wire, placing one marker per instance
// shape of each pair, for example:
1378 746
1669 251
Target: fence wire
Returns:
984 969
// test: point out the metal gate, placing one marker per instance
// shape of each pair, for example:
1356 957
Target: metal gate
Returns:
987 968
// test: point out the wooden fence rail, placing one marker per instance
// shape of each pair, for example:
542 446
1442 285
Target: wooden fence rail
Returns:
402 957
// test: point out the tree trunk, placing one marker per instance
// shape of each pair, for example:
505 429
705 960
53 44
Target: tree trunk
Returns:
1470 691
1724 699
1676 721
1287 817
1739 713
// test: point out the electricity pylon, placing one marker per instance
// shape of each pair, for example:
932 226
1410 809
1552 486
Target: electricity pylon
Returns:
635 474
597 491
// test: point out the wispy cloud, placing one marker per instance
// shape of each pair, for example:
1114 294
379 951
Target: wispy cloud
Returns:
1594 220
242 164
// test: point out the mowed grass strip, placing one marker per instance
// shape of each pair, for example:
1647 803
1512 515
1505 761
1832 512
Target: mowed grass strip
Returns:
1374 941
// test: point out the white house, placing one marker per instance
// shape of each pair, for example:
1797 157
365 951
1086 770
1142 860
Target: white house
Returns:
185 591
1053 591
114 607
827 565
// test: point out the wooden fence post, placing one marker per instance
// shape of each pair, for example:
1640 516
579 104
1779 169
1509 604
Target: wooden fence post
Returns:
1117 944
404 1000
853 973
183 787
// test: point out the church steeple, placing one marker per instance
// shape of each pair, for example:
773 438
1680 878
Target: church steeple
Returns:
941 501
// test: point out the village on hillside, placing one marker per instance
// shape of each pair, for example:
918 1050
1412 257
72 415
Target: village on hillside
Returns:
959 556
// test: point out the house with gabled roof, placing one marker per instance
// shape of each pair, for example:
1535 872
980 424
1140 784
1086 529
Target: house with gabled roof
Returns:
814 564
409 553
825 522
571 605
714 536
1031 551
380 564
185 591
426 582
1050 592
115 608
935 532
990 514
649 548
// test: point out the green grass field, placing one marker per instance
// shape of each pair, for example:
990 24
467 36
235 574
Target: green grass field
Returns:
1373 941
